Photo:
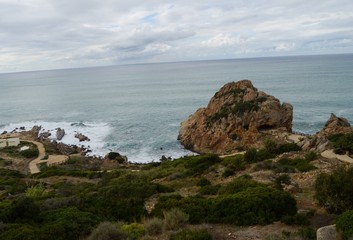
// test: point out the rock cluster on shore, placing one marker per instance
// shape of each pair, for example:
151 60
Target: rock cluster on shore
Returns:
238 115
319 142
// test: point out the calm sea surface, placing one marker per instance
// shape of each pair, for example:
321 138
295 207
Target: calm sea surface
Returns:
136 109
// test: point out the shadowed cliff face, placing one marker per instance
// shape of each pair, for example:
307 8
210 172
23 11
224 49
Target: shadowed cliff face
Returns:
237 116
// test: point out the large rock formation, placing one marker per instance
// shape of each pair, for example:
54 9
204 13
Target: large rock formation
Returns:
237 116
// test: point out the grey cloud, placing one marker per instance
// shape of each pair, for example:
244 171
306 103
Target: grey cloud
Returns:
115 31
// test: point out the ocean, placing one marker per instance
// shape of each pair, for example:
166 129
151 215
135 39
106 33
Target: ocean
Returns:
136 110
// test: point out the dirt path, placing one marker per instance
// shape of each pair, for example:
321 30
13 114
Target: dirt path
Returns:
52 159
331 155
233 154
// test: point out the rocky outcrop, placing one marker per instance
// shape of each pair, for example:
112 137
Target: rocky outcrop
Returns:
327 233
319 142
237 116
60 133
81 137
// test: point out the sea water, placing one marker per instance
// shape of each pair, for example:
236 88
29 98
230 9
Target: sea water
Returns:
137 109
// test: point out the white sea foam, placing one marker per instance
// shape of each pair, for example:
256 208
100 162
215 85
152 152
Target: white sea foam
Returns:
96 132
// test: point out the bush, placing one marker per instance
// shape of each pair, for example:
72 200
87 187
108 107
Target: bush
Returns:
236 163
307 233
209 190
228 172
174 219
203 182
238 185
334 191
108 231
288 147
196 165
134 229
191 235
67 223
300 164
153 226
22 210
282 179
250 155
259 205
253 205
344 222
311 156
342 142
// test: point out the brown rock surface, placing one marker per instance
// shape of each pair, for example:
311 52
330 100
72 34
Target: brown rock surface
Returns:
319 142
237 116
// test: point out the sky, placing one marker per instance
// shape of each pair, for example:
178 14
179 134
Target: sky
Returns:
54 34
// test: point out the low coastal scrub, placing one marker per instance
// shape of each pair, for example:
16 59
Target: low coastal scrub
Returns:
191 235
245 204
342 143
344 223
334 191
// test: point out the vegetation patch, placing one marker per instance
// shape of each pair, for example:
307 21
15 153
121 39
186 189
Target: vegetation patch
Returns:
342 143
334 191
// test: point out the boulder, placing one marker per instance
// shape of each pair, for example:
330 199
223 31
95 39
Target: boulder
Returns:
34 132
326 233
336 125
81 137
237 116
60 133
319 142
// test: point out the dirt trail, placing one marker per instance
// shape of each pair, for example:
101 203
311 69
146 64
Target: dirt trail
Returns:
52 159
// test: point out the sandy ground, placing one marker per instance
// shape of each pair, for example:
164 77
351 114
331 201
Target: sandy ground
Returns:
331 155
294 138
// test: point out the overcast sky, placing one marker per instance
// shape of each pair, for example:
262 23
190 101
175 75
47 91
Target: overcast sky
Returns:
51 34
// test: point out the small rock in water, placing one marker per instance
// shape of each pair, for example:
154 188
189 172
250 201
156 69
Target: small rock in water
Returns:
81 137
60 133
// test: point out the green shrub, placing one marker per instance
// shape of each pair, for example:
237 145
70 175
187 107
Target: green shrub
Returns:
108 231
123 198
344 222
288 147
209 190
191 235
30 153
334 191
250 155
235 163
342 142
36 191
174 219
23 210
196 165
134 229
311 156
238 185
153 226
203 182
253 205
270 145
282 179
259 205
228 172
300 164
307 233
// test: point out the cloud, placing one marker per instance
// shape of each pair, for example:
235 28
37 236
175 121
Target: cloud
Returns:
40 34
221 40
285 46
